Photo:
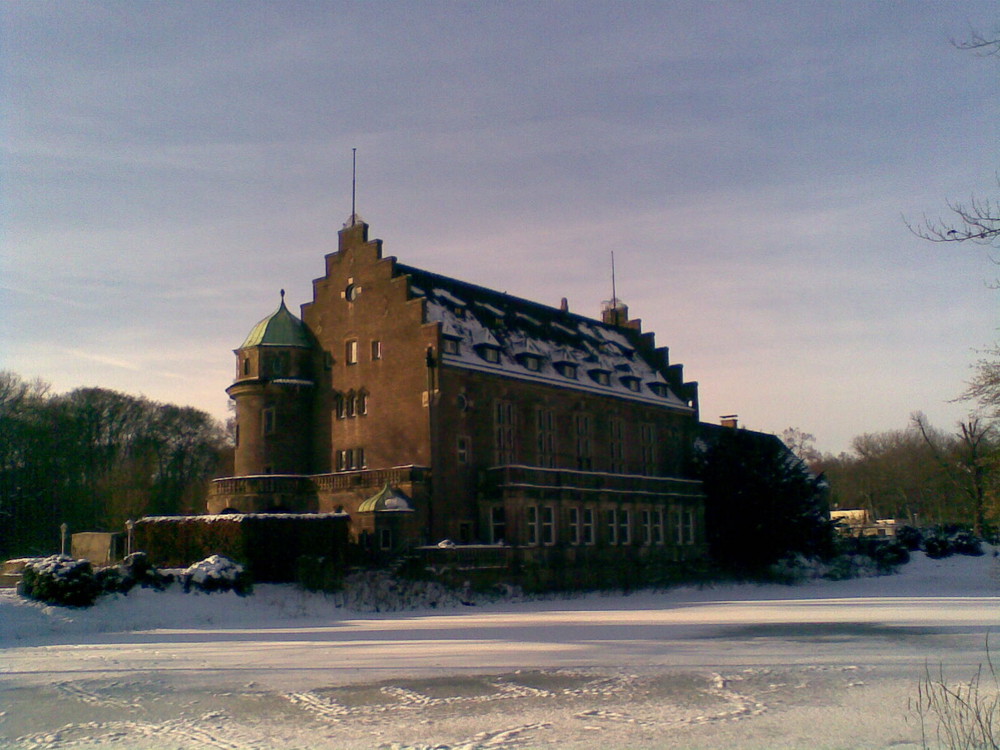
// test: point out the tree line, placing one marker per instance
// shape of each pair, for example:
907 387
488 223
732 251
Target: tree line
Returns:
919 475
93 458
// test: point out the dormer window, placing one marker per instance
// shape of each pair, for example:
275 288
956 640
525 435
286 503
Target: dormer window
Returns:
566 369
530 362
601 377
450 346
489 353
658 388
632 383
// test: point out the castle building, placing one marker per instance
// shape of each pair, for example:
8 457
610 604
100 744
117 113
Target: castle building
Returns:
428 409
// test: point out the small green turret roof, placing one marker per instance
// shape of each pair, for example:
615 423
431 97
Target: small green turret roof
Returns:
386 499
280 328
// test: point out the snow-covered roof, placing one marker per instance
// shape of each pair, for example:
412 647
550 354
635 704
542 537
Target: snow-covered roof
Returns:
530 341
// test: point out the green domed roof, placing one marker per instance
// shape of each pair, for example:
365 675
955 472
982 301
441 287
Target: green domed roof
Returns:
280 328
386 499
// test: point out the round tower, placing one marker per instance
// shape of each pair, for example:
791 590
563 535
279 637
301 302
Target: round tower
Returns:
273 392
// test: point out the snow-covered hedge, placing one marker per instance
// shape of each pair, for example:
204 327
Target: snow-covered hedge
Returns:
217 573
59 580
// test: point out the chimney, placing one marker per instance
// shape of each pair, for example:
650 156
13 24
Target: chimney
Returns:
729 420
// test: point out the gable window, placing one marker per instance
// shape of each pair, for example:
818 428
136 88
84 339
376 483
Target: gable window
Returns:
351 352
376 349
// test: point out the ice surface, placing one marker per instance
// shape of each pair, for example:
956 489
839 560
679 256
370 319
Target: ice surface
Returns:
821 665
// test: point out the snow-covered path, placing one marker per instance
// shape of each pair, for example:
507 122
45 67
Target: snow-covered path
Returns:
819 665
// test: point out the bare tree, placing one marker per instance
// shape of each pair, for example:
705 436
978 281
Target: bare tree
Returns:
968 467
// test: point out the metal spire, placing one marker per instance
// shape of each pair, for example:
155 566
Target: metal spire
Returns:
354 182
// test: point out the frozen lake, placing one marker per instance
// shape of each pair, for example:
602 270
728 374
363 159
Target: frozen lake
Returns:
821 665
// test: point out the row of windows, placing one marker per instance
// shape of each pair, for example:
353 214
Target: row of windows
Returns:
655 526
350 459
616 439
351 404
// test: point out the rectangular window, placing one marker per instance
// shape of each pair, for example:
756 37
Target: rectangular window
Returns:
573 515
340 405
351 352
646 526
498 524
531 527
658 526
612 525
647 438
548 525
359 459
362 404
449 346
588 526
385 539
352 405
624 527
685 527
268 421
545 437
341 460
616 445
376 350
503 431
462 449
584 459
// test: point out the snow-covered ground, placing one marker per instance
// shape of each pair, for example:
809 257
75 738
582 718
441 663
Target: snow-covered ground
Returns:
821 665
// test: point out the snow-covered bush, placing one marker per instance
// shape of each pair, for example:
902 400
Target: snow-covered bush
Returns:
137 570
60 580
380 591
217 573
948 540
314 573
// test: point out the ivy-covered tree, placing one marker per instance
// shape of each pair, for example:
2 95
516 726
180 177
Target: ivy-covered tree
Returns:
762 503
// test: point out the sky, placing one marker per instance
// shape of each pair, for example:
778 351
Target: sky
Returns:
167 168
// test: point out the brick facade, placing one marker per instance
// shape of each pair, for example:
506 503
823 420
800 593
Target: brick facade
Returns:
501 420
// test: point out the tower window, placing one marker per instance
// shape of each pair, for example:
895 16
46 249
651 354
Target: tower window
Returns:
268 420
246 365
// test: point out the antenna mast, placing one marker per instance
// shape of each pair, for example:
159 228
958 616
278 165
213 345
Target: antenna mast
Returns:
354 181
614 294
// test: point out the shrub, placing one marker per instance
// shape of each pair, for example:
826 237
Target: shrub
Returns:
324 574
60 580
217 573
909 537
137 570
963 715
